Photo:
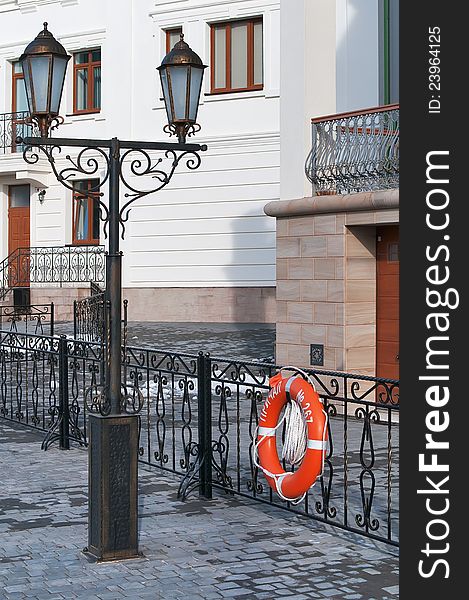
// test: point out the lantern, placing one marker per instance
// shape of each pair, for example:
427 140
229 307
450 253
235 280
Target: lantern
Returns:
181 74
44 64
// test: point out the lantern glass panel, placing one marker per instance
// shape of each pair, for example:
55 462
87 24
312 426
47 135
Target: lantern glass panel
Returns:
196 84
40 77
27 83
58 75
179 76
166 95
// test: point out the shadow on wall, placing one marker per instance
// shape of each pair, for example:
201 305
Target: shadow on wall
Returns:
251 271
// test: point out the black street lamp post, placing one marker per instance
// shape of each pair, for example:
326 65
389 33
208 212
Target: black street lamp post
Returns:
113 453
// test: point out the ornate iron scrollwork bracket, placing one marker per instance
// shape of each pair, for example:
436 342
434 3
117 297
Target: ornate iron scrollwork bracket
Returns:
92 159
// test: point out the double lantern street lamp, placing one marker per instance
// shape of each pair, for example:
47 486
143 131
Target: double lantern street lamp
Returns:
44 64
113 420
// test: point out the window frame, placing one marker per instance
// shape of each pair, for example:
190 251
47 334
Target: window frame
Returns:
91 197
251 86
90 66
168 33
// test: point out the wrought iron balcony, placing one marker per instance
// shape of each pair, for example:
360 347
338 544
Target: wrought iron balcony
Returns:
355 152
13 125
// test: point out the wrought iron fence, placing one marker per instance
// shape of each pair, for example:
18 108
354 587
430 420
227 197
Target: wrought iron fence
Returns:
56 265
91 317
199 421
12 125
32 318
43 381
354 152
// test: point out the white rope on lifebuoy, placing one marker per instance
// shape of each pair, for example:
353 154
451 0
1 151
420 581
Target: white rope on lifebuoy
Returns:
295 443
296 435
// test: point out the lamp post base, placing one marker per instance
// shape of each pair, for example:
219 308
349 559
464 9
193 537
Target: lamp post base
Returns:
112 487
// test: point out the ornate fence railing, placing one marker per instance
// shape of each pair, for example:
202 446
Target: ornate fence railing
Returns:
354 152
89 316
199 420
55 265
32 318
43 380
12 125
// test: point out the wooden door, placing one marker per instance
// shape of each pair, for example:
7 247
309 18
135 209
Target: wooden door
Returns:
387 302
18 234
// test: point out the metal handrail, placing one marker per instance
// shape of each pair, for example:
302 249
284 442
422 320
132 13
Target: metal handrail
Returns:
355 151
53 264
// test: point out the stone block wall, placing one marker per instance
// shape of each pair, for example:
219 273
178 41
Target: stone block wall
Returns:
326 283
202 305
310 288
62 297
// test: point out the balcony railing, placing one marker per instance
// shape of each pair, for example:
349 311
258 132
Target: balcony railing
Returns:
12 125
355 152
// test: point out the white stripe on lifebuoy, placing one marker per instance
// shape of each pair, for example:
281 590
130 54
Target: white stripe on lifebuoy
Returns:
279 482
265 431
317 445
289 382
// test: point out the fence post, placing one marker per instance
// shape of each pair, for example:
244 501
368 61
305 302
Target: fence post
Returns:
75 319
52 318
63 395
204 423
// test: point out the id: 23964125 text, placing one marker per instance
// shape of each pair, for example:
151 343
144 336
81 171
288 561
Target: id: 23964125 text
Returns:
434 70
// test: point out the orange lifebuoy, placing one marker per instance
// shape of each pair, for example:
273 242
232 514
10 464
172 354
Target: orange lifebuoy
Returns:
292 485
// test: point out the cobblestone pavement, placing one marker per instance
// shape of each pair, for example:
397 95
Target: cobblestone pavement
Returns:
241 341
225 548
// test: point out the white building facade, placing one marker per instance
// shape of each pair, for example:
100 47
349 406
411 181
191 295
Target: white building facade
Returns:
338 252
202 249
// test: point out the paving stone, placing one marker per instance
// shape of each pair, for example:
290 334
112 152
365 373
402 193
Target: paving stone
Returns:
392 590
228 547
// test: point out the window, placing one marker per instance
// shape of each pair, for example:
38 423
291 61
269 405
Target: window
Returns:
87 81
19 196
85 212
237 56
172 37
